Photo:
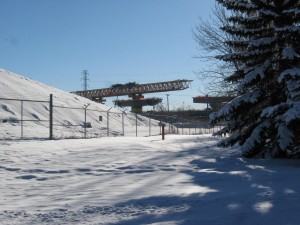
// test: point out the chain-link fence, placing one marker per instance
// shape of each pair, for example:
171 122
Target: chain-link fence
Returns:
20 117
184 126
37 119
91 123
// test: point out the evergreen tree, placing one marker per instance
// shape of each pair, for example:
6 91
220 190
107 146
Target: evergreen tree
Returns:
265 116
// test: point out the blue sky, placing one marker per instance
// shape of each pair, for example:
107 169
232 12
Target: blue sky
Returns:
117 41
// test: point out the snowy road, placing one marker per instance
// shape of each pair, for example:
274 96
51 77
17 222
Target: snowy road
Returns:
183 180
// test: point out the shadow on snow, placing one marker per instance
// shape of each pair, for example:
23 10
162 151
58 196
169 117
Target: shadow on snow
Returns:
248 191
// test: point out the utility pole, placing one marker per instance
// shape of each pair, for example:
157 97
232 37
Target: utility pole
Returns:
168 101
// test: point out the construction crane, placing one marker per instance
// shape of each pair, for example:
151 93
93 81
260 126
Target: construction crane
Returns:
135 92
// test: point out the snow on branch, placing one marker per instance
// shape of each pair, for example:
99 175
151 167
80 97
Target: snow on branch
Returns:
239 4
289 53
293 87
243 55
256 136
230 141
295 11
249 97
251 76
285 137
224 130
295 72
268 13
273 110
293 113
288 29
238 31
295 153
262 41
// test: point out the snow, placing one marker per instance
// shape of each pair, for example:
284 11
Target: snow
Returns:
262 41
272 110
130 180
68 122
285 137
238 55
268 13
294 11
289 53
293 113
249 97
144 180
256 136
289 29
250 76
240 4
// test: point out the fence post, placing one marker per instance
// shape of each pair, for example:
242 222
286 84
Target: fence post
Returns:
136 125
107 117
159 127
149 126
123 124
21 120
51 117
172 126
168 121
108 121
84 122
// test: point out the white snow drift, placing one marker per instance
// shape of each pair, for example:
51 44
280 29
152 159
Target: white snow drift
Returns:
184 180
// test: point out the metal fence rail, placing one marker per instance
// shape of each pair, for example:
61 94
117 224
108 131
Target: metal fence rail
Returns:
183 126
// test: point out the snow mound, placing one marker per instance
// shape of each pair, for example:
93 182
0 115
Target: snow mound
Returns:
68 113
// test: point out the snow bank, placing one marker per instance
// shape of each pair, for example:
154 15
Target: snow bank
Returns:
68 113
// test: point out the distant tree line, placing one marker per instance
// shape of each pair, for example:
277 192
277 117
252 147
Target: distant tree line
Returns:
126 85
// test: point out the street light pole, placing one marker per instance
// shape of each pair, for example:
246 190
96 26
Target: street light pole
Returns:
168 101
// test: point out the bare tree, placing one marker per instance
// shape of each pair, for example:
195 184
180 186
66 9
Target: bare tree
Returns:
211 40
160 107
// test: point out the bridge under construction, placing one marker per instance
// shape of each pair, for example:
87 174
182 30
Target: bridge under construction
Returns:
135 92
213 102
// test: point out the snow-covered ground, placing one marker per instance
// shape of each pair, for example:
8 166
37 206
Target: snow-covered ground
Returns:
144 180
127 180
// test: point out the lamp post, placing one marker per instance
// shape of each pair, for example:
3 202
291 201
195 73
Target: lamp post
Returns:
168 101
